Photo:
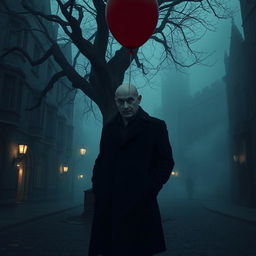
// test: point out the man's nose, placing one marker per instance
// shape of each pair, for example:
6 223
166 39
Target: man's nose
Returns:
125 104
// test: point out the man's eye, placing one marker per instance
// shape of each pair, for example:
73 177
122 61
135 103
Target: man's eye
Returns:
130 101
120 101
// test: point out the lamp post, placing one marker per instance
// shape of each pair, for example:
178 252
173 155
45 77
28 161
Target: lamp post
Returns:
22 150
83 151
77 176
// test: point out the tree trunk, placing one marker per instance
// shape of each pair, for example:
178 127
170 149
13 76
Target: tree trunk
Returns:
109 112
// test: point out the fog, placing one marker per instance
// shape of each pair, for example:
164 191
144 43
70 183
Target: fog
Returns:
195 161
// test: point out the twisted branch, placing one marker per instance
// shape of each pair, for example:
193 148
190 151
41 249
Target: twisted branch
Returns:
50 85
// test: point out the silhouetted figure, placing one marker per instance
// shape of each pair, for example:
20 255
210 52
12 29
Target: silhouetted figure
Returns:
134 162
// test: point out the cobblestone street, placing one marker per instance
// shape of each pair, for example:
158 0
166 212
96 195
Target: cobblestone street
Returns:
51 236
195 231
190 230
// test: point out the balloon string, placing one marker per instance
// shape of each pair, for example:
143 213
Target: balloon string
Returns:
130 68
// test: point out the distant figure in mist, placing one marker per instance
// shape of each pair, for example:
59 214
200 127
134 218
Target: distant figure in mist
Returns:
190 187
134 162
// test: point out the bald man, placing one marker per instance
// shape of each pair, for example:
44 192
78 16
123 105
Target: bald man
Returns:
134 162
127 102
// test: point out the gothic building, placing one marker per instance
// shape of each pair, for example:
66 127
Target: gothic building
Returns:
241 91
46 132
198 125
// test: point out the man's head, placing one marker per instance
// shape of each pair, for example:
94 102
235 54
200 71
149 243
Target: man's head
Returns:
127 100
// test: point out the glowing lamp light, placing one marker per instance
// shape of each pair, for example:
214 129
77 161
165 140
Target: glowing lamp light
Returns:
175 173
83 151
61 169
65 168
235 158
242 158
23 149
80 176
20 172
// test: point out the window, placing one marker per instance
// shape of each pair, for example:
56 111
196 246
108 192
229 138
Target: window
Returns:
18 97
253 27
39 177
8 93
49 72
16 35
49 76
37 114
25 39
59 92
50 124
36 56
60 133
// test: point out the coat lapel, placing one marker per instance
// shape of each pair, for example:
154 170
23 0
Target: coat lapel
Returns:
135 128
133 131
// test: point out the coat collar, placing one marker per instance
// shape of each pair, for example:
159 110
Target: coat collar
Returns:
140 115
137 126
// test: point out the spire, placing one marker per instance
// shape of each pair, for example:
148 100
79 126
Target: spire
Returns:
226 59
235 40
234 62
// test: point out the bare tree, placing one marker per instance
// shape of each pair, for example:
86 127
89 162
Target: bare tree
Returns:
104 64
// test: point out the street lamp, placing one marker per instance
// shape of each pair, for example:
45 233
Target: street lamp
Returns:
175 173
83 151
23 149
63 168
241 158
235 158
80 176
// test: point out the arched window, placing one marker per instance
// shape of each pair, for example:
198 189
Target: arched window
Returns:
11 93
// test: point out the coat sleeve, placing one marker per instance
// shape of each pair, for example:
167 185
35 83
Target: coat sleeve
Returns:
164 159
98 159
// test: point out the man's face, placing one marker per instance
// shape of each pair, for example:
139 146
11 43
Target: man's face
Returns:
127 103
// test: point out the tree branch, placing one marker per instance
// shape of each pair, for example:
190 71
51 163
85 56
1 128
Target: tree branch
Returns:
52 18
174 3
139 64
50 85
101 40
25 54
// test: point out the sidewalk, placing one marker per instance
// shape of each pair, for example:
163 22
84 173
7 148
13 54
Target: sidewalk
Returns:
29 211
231 210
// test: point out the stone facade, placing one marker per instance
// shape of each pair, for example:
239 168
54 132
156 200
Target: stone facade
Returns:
198 126
47 130
241 80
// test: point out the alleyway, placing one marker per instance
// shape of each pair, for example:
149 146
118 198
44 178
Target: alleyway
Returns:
190 230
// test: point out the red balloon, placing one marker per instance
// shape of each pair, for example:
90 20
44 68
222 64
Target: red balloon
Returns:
132 22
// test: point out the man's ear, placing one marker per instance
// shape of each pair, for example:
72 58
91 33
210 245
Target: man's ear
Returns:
140 97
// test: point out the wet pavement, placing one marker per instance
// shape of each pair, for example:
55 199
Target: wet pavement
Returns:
190 230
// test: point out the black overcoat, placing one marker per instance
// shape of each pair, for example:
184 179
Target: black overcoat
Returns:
133 164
